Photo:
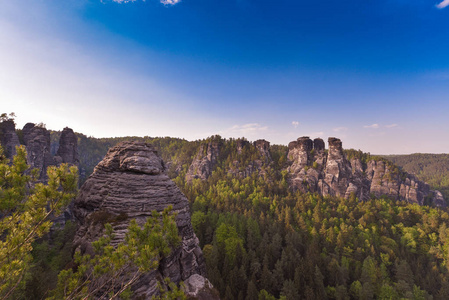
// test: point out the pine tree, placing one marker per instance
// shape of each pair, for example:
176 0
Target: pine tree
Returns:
251 291
27 208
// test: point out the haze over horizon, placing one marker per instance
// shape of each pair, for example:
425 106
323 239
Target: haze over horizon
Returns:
373 73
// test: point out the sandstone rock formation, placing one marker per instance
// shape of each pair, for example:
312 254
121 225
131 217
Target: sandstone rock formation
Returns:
264 149
37 143
261 154
68 148
130 182
8 138
333 174
204 162
241 143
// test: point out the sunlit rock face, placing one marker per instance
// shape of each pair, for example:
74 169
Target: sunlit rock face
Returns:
312 170
129 183
204 162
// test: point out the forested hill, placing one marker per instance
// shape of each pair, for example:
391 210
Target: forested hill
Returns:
305 165
431 168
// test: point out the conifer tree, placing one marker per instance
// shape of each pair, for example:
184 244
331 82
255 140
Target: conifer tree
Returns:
27 208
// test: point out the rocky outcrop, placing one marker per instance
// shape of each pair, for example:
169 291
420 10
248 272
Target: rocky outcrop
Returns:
259 151
386 180
241 143
204 162
198 287
68 148
130 182
307 159
8 138
299 152
37 143
311 170
264 149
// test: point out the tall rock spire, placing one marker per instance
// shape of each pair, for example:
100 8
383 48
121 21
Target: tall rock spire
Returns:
130 182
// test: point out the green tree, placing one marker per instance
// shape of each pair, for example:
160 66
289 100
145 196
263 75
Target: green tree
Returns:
27 208
111 271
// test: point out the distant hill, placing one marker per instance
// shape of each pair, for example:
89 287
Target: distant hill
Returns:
431 168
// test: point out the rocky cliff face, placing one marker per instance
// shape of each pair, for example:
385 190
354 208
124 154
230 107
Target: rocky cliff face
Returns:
333 174
204 162
261 159
207 157
68 148
264 149
37 143
130 182
8 138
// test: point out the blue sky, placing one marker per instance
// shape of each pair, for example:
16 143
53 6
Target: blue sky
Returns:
374 73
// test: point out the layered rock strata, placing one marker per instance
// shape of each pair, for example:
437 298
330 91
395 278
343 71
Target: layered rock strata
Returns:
130 182
311 170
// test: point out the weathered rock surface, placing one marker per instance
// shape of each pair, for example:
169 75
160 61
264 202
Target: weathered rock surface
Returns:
8 138
37 143
300 154
68 148
204 162
261 158
198 287
130 182
264 149
333 174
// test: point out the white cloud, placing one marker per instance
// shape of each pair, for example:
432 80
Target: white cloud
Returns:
170 2
295 124
391 126
373 126
443 4
339 129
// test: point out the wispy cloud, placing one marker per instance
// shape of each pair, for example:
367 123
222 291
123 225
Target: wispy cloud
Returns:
245 129
316 134
295 124
165 2
391 126
339 129
372 126
123 1
443 4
